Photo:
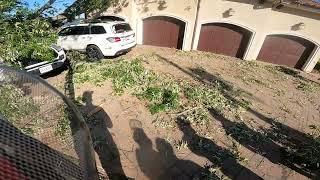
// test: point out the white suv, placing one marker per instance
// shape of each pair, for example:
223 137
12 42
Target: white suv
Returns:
98 39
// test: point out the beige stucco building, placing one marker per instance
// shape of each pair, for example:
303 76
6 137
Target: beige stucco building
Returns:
279 32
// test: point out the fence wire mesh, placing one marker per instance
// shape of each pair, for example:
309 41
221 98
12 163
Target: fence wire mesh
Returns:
42 135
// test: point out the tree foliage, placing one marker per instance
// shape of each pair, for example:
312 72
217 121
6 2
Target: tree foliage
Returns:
24 34
89 6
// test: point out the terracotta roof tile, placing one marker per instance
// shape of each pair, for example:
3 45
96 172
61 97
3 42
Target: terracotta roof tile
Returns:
310 3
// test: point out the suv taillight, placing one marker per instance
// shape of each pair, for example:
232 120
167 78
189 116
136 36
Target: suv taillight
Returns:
114 39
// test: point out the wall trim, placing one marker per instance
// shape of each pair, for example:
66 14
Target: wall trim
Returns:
312 61
140 26
195 47
293 34
164 14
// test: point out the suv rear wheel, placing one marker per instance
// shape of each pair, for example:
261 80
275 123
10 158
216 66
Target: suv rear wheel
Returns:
94 52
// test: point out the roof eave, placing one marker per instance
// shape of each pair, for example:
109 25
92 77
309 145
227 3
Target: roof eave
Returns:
288 3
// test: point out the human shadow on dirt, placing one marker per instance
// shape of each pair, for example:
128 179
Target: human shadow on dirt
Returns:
162 163
69 84
273 143
225 87
276 144
295 73
298 150
219 157
98 122
280 144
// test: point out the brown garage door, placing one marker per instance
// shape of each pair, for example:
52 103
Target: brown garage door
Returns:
224 39
286 50
163 31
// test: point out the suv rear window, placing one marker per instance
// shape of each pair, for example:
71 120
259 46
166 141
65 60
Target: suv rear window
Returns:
97 30
120 28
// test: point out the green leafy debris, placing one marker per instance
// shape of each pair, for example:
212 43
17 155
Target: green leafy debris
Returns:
15 106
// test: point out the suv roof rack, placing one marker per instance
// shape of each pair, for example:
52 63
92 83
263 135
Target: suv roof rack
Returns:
87 21
82 21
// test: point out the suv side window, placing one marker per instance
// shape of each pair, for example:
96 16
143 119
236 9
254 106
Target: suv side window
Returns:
75 30
80 30
65 32
97 30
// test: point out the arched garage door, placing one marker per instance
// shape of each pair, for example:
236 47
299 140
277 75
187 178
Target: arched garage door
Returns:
224 39
163 31
286 50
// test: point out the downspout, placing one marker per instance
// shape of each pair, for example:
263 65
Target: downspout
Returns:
195 24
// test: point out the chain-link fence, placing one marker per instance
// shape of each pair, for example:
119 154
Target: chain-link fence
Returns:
42 135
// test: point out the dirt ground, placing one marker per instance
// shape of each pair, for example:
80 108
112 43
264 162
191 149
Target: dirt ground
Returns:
146 146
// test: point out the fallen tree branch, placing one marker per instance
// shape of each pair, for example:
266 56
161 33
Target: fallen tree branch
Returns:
188 110
45 7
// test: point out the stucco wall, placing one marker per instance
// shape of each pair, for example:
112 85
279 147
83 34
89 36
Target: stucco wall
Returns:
183 10
261 20
123 10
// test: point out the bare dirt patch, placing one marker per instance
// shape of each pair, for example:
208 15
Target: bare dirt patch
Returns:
283 93
280 108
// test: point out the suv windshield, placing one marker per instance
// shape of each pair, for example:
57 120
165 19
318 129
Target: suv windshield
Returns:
120 28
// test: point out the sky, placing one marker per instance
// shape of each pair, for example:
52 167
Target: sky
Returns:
59 4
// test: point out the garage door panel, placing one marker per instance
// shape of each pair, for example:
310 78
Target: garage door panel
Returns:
269 45
214 37
224 39
294 48
285 50
163 31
